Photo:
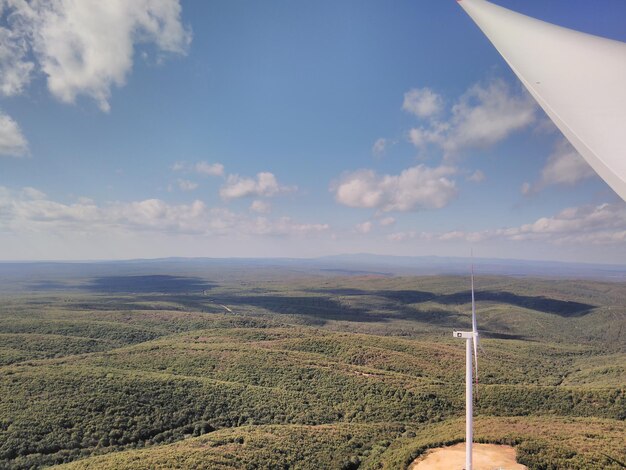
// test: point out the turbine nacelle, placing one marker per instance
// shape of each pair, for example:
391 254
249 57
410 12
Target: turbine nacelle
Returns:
463 334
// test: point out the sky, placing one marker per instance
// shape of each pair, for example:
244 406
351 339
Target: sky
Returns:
285 128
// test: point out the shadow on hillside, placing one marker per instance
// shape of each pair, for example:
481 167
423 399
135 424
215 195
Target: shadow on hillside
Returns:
325 308
52 286
562 308
144 284
539 303
499 335
357 305
150 284
402 296
321 307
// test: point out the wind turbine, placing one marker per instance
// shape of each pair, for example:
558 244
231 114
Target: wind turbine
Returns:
471 349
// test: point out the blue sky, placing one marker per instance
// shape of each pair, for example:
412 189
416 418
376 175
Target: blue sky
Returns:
287 128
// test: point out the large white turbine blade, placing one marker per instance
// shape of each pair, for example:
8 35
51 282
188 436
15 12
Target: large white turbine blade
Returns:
474 330
578 79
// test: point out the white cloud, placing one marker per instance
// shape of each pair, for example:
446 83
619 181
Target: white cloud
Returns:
546 126
565 166
264 185
86 47
82 47
482 117
15 68
365 227
387 221
186 185
202 168
476 177
12 142
604 224
487 115
30 210
379 147
422 102
34 194
435 134
210 169
401 236
285 226
260 207
418 187
584 223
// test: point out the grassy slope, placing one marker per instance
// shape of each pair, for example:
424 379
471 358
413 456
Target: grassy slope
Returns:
87 374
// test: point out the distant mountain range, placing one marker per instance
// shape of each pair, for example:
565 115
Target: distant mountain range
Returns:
346 264
495 266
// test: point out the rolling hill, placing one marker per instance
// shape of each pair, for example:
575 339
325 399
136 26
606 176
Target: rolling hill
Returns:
146 369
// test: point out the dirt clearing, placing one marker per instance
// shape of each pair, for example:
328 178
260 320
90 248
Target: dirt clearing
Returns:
486 457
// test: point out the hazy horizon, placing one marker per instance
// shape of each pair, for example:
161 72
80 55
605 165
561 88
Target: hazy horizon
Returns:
354 255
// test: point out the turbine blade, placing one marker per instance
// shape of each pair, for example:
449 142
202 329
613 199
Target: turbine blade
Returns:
482 350
474 330
475 342
577 78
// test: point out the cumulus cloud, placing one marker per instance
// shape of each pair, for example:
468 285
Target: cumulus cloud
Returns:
209 169
476 177
379 147
418 187
422 102
585 224
488 114
30 210
84 47
565 166
201 168
12 141
387 221
434 134
365 227
186 185
35 194
285 226
603 224
81 47
260 207
264 185
485 115
15 69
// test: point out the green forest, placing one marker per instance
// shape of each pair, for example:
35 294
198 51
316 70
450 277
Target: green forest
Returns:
281 370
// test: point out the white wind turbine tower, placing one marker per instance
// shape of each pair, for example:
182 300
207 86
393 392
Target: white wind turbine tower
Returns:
471 349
